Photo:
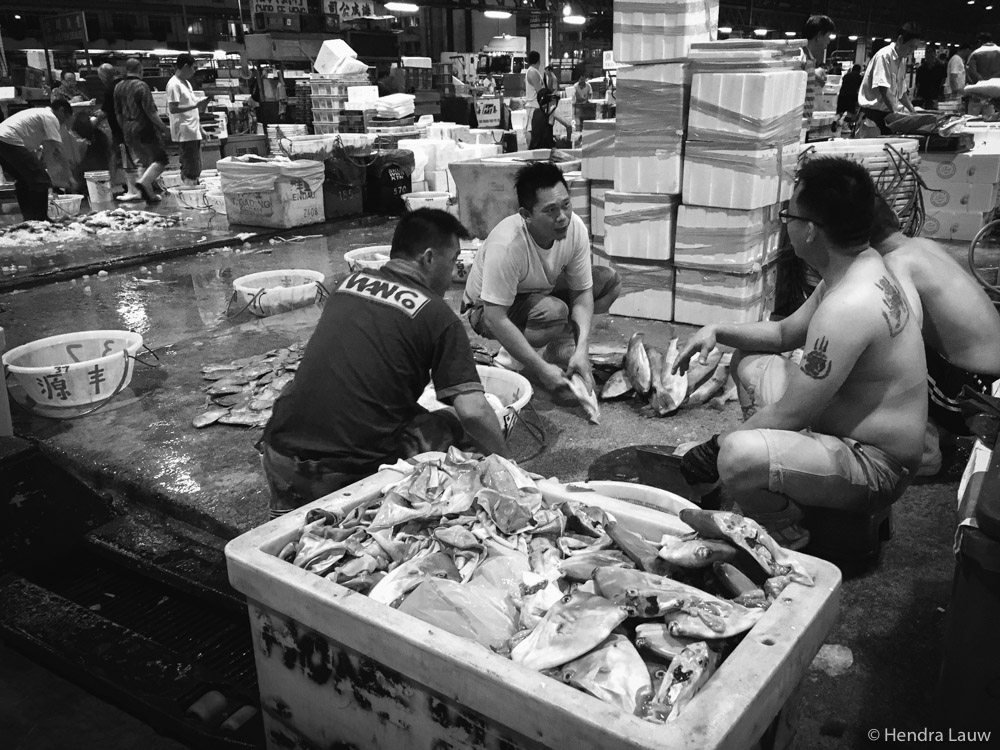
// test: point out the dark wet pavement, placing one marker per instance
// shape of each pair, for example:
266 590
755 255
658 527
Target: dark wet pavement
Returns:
144 448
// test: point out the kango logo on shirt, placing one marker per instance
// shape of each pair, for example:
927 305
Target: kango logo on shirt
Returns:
403 298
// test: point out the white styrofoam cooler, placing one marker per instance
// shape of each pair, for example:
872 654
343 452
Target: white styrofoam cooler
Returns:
734 240
962 226
728 175
651 115
747 106
648 31
598 192
598 145
647 290
963 196
639 225
980 167
579 195
703 296
336 668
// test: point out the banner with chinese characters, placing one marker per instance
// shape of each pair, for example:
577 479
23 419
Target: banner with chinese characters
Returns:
279 6
353 9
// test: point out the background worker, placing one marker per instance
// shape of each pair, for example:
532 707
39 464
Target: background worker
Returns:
534 81
819 31
984 61
532 284
184 108
353 403
28 140
122 159
883 86
142 127
68 90
582 91
960 325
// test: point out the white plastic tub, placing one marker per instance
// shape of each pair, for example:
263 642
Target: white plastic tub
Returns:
512 389
271 292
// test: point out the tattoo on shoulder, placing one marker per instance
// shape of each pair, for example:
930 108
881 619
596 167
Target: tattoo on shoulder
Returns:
816 364
896 312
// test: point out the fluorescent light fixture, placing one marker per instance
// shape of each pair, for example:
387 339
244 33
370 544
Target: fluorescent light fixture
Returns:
853 38
566 10
575 20
789 33
886 39
725 29
760 32
18 18
402 7
500 15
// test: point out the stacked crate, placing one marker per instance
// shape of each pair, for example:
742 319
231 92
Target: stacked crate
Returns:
740 157
636 214
328 98
962 194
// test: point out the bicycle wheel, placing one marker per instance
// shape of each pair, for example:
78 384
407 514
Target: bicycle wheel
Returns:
984 258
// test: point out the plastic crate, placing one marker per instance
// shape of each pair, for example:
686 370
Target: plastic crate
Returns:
328 102
325 128
337 668
399 122
326 115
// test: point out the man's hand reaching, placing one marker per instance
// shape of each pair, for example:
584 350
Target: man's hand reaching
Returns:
703 341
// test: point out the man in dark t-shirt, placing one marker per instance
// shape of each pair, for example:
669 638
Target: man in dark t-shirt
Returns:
382 335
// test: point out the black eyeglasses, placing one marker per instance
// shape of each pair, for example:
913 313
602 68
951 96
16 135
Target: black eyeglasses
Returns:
786 217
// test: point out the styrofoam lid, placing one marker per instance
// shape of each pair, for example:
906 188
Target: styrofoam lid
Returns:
331 54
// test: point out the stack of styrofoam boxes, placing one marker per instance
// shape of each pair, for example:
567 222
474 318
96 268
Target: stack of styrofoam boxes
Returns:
652 39
598 147
444 146
962 192
740 156
579 194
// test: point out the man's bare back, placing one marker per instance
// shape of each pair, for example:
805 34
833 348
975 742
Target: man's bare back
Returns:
959 320
883 399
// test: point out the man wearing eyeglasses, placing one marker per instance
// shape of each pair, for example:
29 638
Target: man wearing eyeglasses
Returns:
841 426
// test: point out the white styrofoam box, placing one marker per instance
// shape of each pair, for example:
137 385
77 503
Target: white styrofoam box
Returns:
598 144
703 296
598 191
472 152
658 30
440 181
357 94
597 255
979 167
727 239
487 136
579 195
647 290
751 106
416 62
986 134
649 138
639 225
954 225
447 131
963 196
519 119
727 175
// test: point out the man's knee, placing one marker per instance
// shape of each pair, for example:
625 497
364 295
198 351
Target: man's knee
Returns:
607 287
548 312
744 461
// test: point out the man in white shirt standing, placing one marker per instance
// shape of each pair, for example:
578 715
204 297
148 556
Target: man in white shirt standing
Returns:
23 137
532 283
883 87
185 107
955 82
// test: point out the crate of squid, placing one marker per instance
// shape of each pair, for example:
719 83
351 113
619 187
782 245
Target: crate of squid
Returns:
647 289
651 118
646 31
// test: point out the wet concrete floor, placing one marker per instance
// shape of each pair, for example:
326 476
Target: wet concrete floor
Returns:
144 448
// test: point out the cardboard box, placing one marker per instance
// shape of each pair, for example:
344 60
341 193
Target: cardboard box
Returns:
963 196
974 167
954 225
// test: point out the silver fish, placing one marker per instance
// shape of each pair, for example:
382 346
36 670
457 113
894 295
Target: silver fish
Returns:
617 386
698 373
407 576
208 417
696 553
245 418
224 388
748 535
639 549
669 389
586 397
684 678
637 365
613 672
572 627
655 637
581 567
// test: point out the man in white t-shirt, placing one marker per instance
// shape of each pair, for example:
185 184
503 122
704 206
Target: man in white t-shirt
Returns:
24 137
185 107
532 284
955 82
883 87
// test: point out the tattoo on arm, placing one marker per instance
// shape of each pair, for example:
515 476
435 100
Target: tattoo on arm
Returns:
816 364
896 312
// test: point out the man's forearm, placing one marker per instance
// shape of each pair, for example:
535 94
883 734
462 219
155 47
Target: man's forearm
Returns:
482 429
581 319
883 93
513 340
905 99
751 337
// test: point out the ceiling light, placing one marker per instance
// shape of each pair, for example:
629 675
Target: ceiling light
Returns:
789 33
566 10
989 7
725 29
18 18
500 15
760 32
853 38
575 20
402 7
886 39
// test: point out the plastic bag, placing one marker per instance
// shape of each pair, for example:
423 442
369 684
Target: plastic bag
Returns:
482 613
